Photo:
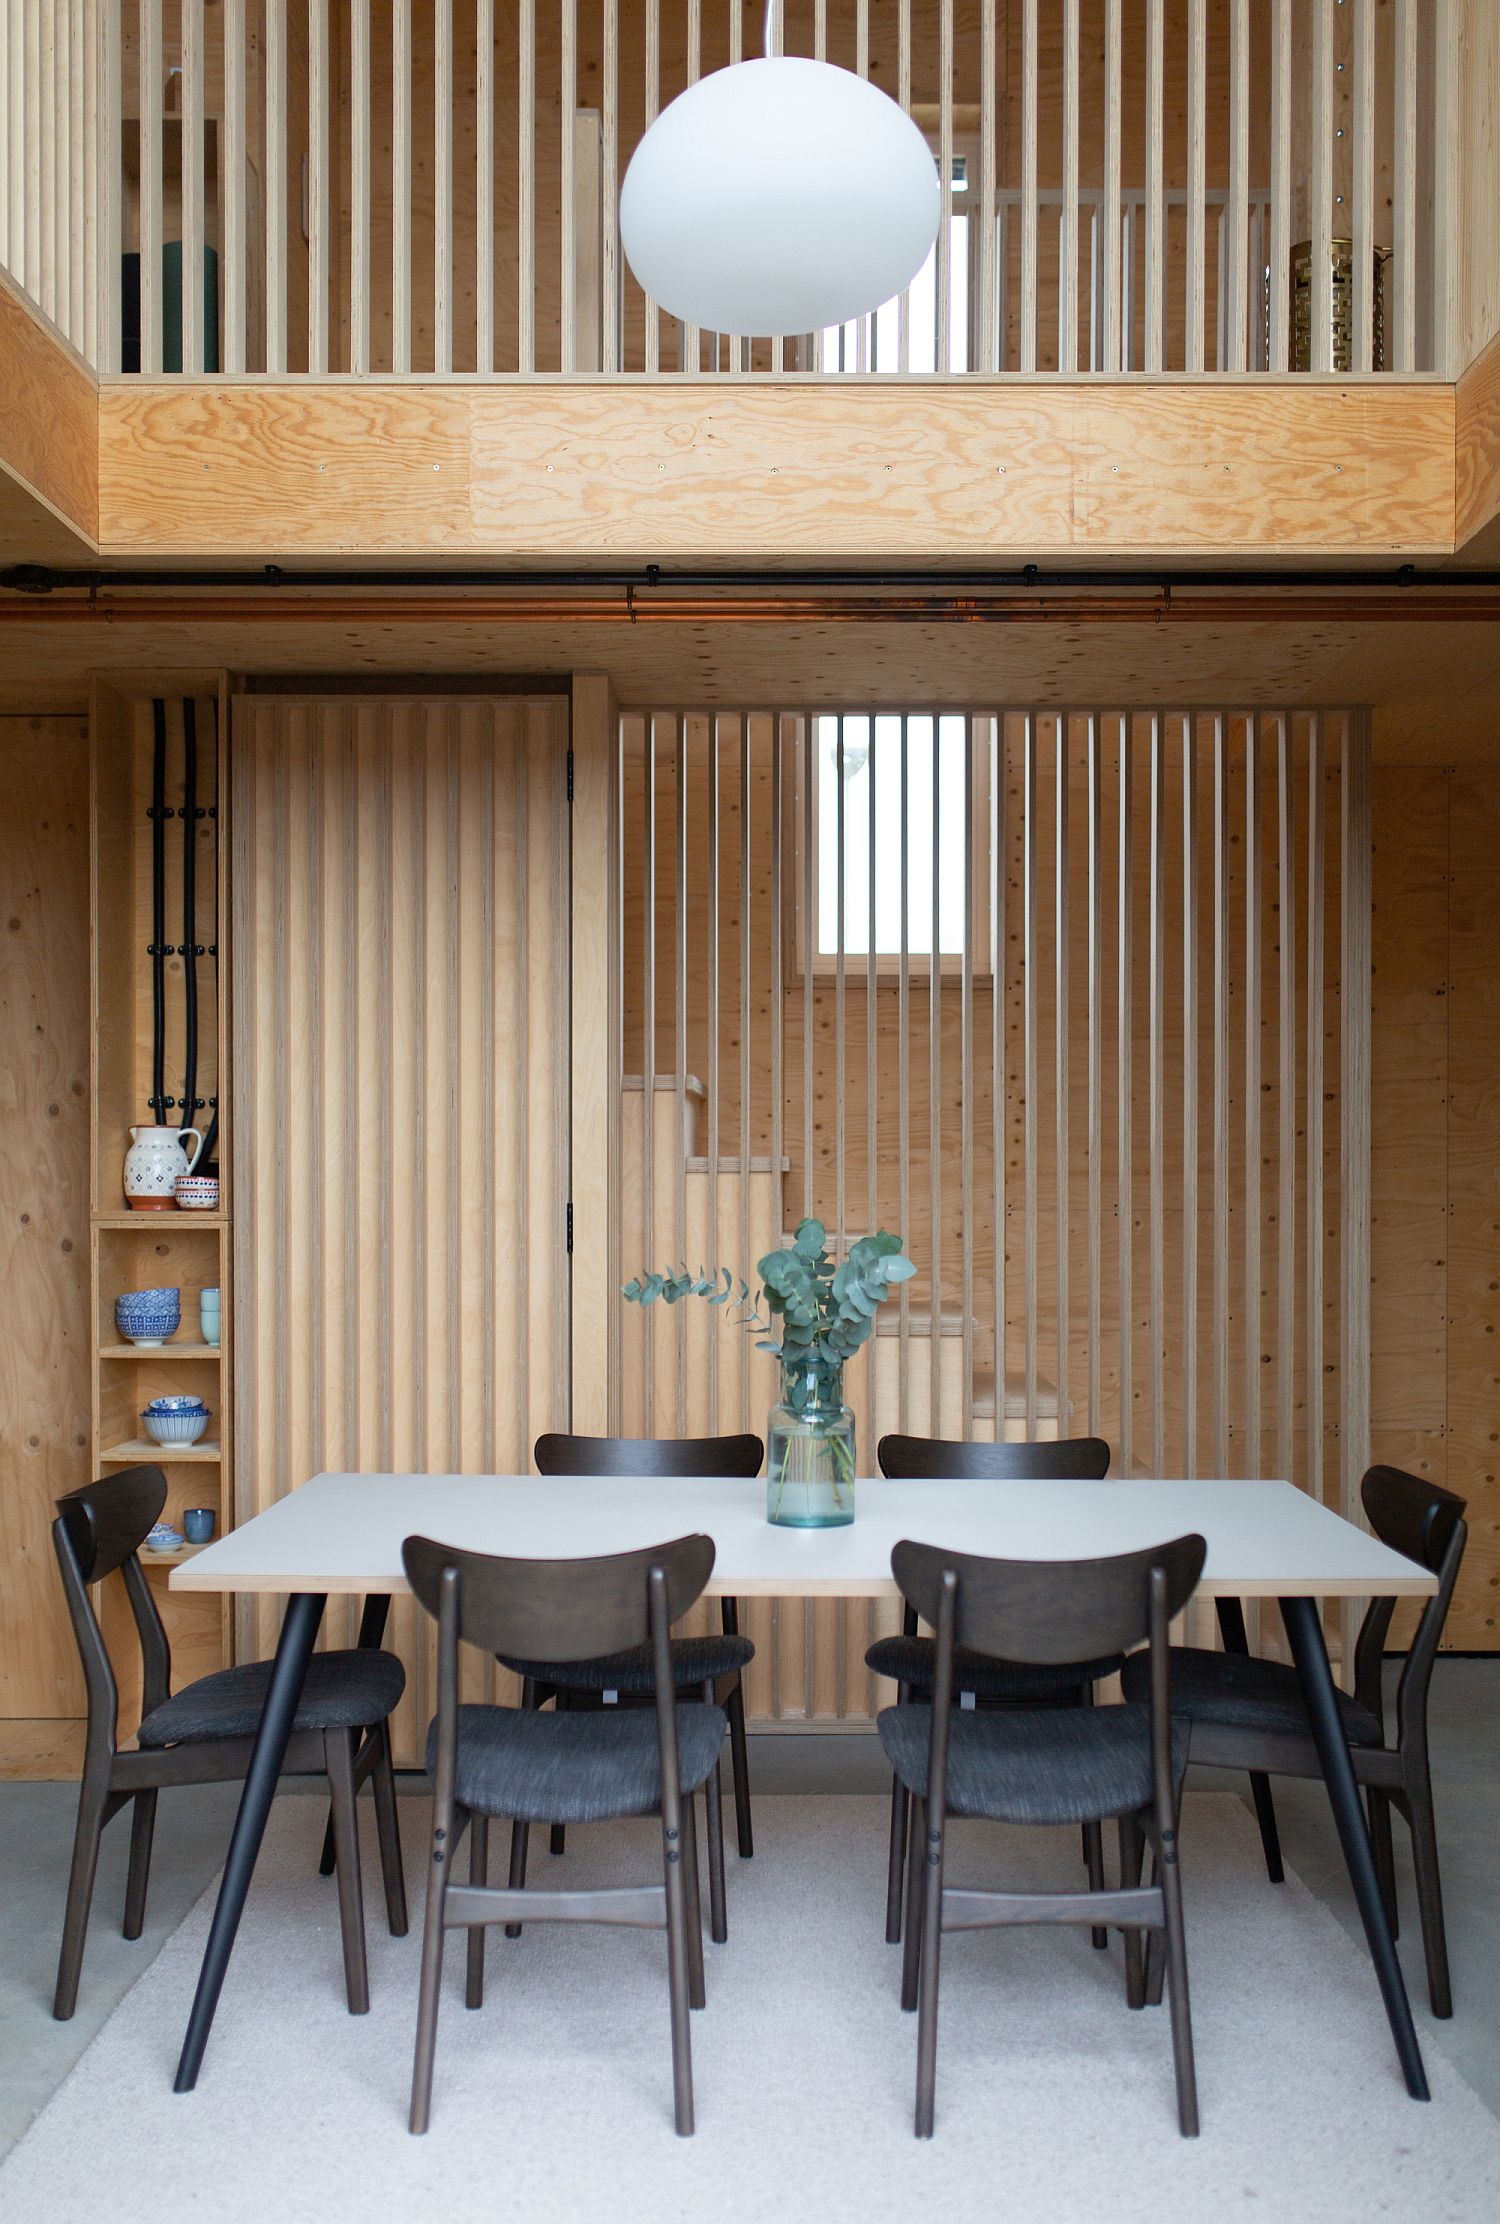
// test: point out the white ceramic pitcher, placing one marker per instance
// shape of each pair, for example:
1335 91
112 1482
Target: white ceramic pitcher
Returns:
157 1155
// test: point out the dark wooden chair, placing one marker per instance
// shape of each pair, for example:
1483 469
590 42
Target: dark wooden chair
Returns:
573 1766
908 1660
710 1667
1045 1765
1247 1713
205 1733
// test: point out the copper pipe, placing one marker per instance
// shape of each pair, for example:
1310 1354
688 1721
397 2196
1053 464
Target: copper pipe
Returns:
485 606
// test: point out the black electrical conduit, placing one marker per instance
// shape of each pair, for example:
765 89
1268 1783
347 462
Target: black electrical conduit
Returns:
159 814
40 579
189 950
211 1132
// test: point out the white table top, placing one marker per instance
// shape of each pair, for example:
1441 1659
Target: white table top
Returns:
343 1533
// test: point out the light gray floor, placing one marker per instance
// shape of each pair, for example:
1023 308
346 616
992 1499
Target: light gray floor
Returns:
36 1823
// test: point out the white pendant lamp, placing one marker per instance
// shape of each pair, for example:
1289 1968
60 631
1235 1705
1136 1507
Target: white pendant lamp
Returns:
777 197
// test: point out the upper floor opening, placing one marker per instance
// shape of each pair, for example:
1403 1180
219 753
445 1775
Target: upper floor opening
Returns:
431 187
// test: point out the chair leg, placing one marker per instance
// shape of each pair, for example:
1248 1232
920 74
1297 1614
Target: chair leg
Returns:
678 1983
388 1831
93 1804
926 1855
1265 1816
1378 1808
1093 1842
1424 1855
338 1759
911 1952
697 1995
713 1801
895 1875
520 1838
479 1873
1177 1987
142 1825
430 1985
739 1760
1132 1847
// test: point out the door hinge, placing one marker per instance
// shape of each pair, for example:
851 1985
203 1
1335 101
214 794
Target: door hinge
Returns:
570 1224
570 775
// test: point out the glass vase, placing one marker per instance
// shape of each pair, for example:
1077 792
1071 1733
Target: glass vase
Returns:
810 1452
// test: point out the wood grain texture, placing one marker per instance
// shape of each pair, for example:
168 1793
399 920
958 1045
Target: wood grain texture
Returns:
1476 486
44 1246
616 467
49 417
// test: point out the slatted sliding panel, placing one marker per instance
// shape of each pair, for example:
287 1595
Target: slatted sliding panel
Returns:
1102 1115
400 1000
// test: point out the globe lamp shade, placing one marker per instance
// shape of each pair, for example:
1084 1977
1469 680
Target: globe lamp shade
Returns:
777 197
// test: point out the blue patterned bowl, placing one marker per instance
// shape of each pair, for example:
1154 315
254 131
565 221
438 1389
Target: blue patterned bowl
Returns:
176 1405
148 1316
176 1428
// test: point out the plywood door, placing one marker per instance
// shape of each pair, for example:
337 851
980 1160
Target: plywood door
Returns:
400 894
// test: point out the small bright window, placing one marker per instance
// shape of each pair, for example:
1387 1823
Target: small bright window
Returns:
902 781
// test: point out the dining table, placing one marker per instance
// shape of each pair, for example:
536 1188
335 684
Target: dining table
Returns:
342 1534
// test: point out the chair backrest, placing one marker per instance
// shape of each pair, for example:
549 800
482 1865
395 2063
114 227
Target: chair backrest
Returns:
549 1610
1049 1611
98 1533
648 1455
1426 1523
1081 1459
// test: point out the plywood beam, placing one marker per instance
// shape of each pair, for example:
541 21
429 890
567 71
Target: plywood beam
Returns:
1476 490
49 443
966 470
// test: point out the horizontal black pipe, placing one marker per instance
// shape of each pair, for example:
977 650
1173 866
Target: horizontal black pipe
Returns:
40 579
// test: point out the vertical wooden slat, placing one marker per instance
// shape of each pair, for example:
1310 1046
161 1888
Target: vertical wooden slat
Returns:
276 184
568 67
1320 185
319 211
44 157
526 190
360 187
1314 1098
680 1050
1156 208
1362 125
715 1015
1354 1128
1111 356
1029 1055
1236 271
8 205
872 1044
110 159
1189 1094
82 98
691 335
1096 1066
1029 129
840 1013
944 354
1125 1010
652 94
484 185
1281 184
151 184
745 1022
1449 38
999 979
401 183
1068 275
1156 1115
903 96
810 947
1404 190
611 157
989 307
1221 1096
1062 1031
935 1088
966 1087
1197 180
648 1046
1286 1099
903 1071
1252 1209
442 180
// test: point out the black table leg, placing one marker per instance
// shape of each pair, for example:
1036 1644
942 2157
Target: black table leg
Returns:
1305 1633
299 1629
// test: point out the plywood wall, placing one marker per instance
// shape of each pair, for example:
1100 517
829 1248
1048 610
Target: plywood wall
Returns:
44 1223
400 998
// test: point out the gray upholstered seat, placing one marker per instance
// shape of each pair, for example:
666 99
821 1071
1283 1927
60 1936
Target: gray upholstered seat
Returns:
343 1691
575 1767
909 1660
1068 1764
1246 1693
695 1661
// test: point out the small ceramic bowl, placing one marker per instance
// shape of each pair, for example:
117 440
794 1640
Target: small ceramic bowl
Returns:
176 1404
163 1538
198 1192
148 1316
176 1428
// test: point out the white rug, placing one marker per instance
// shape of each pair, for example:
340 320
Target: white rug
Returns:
1054 2102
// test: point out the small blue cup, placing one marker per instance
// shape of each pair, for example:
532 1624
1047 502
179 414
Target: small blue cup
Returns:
198 1524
